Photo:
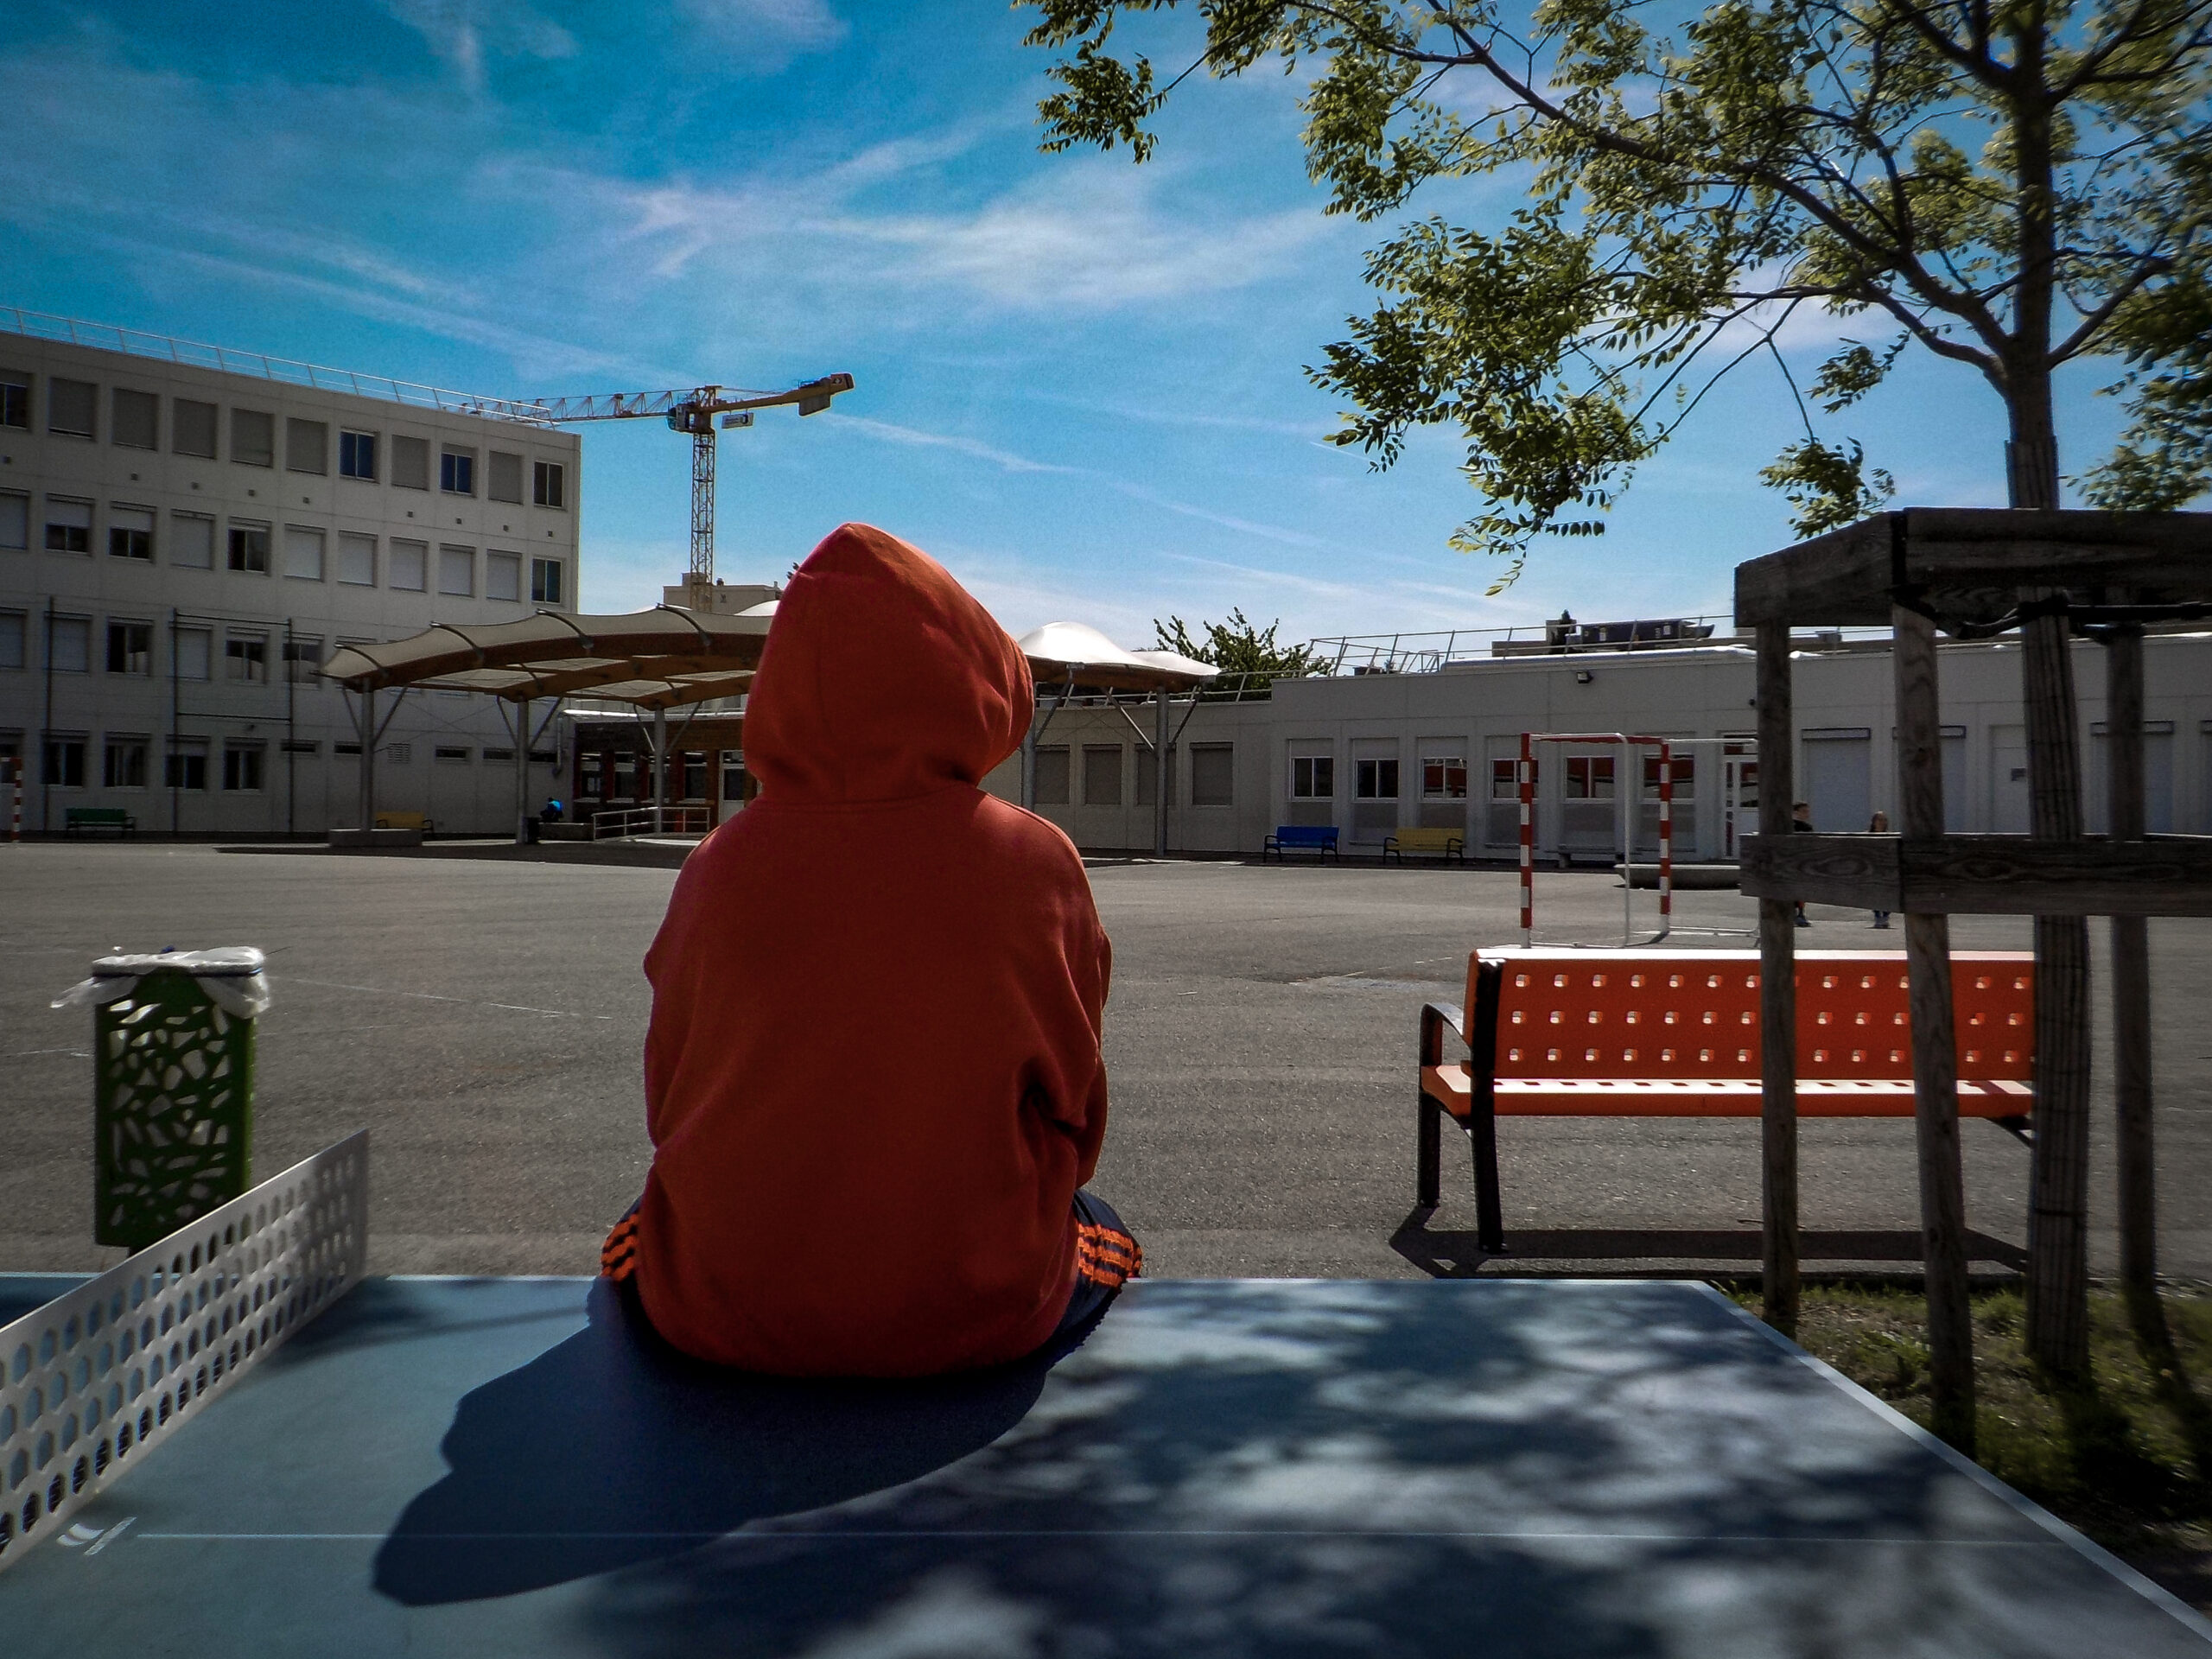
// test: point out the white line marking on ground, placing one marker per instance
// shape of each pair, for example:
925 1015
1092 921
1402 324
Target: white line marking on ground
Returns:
432 996
111 1535
785 1535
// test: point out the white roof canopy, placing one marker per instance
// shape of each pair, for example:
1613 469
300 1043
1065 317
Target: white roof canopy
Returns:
1061 652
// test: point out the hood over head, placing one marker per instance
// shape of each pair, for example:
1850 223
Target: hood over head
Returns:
882 679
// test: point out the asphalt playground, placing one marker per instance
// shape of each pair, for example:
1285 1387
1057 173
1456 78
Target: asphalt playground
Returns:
482 1017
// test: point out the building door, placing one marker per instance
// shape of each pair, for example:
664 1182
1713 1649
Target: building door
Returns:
1839 772
2158 779
2008 780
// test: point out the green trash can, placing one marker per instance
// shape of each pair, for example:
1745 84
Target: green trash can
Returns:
172 1086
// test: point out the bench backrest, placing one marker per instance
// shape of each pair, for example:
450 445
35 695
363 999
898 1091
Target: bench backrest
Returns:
1430 841
402 820
1304 835
1695 1014
97 815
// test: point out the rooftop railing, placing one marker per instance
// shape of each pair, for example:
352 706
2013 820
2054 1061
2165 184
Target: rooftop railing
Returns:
37 325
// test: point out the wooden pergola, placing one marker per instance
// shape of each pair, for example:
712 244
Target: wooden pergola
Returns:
658 660
1974 574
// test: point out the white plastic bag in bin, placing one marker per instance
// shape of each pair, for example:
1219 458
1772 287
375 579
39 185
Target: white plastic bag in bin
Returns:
230 974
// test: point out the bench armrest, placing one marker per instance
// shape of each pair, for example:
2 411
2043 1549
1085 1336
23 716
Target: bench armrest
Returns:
1436 1018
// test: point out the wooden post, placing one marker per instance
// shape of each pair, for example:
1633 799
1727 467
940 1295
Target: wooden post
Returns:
2130 989
2058 1261
1934 1045
1777 993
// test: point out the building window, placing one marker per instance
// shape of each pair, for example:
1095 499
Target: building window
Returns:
65 762
410 463
130 533
733 774
357 559
1504 780
1590 778
185 765
130 648
68 525
502 477
70 406
192 428
300 746
1313 778
1443 777
241 767
406 566
245 660
123 765
11 639
134 419
1052 776
302 657
303 553
15 398
307 446
491 755
1213 774
357 455
1101 774
192 541
69 644
253 437
442 752
457 471
503 576
14 521
192 648
545 581
1376 780
250 549
547 480
457 571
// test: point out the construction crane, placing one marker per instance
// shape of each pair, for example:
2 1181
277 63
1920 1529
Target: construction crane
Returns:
695 412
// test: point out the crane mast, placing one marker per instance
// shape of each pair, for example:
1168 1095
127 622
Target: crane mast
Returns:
694 412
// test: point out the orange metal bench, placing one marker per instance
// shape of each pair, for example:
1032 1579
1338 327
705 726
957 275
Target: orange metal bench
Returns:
1675 1033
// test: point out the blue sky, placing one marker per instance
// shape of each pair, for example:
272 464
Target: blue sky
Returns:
1079 382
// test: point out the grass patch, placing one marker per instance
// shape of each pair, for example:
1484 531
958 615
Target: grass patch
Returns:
2127 1459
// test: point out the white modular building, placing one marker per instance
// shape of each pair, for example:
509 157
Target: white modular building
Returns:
187 533
1436 745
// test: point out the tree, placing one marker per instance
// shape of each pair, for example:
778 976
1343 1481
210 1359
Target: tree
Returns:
1237 648
2008 184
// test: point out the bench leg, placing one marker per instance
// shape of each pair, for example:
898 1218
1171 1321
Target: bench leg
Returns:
1428 1156
1489 1216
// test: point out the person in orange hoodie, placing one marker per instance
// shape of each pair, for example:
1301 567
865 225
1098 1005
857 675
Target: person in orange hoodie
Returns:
872 1076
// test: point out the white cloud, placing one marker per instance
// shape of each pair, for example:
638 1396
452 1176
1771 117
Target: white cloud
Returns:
767 33
460 32
1004 459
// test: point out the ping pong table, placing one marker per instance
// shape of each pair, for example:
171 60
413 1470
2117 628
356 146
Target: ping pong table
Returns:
490 1467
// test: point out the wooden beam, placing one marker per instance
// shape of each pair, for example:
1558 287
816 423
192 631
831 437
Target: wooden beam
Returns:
1777 994
1934 1048
1968 562
1984 875
2057 1323
2135 1148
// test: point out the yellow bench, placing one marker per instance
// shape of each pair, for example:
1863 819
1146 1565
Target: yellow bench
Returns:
405 820
1452 844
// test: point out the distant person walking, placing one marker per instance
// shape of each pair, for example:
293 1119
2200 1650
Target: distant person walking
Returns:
1879 825
1800 817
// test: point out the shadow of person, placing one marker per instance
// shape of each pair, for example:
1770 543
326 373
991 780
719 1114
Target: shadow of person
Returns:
613 1448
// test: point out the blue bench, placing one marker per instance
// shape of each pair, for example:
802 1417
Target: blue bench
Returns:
1320 837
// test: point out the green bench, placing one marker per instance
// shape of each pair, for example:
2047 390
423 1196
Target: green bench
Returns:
1449 844
98 818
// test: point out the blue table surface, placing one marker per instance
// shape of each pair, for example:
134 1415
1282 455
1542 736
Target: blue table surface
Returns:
490 1467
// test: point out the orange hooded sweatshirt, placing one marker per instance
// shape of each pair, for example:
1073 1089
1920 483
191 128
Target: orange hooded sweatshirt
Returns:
873 1078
